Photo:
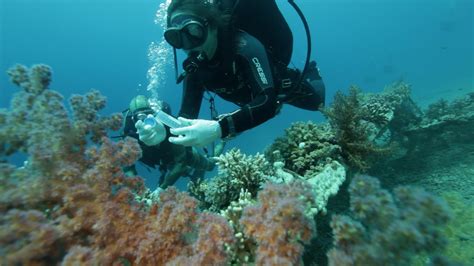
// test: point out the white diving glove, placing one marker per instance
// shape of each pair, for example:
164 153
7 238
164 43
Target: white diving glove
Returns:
150 133
196 132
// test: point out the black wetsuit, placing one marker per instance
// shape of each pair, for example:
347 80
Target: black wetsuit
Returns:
248 78
172 160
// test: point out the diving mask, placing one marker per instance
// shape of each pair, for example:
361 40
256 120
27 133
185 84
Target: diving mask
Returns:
186 32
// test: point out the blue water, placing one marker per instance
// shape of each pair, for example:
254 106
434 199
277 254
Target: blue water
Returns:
103 45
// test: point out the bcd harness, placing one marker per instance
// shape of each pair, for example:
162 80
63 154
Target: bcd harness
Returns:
234 7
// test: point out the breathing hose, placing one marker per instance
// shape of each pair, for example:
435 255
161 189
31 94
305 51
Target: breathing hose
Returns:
179 78
308 39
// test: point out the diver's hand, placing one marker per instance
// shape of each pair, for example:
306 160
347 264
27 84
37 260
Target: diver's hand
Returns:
196 132
150 134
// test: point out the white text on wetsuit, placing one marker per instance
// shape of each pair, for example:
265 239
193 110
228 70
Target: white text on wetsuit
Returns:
260 70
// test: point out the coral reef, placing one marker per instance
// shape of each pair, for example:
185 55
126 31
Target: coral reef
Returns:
323 184
382 108
443 122
48 118
305 148
270 228
389 229
26 236
236 171
38 124
244 249
71 203
443 128
346 117
239 172
278 224
443 110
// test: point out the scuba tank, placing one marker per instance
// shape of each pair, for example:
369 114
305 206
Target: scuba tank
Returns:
256 17
262 19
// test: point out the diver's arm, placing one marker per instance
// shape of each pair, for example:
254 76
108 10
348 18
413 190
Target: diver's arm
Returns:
193 92
253 61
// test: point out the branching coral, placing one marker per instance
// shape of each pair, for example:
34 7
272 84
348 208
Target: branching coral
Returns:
442 110
444 125
236 171
244 249
390 229
381 108
72 204
389 113
306 148
346 117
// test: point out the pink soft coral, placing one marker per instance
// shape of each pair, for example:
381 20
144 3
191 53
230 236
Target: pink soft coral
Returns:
278 223
72 203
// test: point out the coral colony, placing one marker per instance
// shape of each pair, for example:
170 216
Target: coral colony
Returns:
71 204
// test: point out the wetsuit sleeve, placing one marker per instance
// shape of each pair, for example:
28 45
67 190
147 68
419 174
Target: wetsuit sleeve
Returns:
253 64
193 92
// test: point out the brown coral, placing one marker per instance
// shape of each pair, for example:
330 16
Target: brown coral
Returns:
389 230
346 117
72 203
305 148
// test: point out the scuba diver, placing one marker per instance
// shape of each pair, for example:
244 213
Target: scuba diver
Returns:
239 50
172 160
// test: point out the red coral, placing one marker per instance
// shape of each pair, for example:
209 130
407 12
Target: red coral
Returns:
27 237
278 223
211 246
80 206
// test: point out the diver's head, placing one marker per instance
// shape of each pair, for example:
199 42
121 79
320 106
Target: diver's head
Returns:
193 26
139 108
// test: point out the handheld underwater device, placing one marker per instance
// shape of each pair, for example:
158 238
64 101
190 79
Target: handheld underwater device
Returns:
149 122
167 119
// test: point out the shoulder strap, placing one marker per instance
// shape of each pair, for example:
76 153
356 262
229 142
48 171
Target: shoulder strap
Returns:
263 19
